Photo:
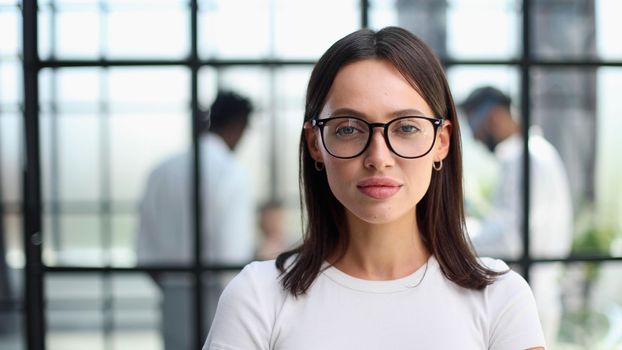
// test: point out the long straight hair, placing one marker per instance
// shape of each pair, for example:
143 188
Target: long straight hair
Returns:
440 213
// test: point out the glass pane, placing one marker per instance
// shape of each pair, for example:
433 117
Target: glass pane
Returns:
72 239
72 162
608 166
425 18
580 100
124 30
148 173
290 99
76 90
140 99
580 304
13 245
459 29
296 31
144 3
265 29
124 223
10 30
45 30
607 27
483 28
105 311
136 313
292 83
10 157
49 177
74 305
135 153
234 29
464 79
10 83
492 166
139 31
576 29
72 133
69 31
77 33
148 89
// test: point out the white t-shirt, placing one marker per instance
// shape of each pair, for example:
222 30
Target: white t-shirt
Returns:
421 311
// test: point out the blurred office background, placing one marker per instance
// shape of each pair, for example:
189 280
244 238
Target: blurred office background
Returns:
120 83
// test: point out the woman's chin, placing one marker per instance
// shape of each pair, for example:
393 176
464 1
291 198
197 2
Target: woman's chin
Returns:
376 217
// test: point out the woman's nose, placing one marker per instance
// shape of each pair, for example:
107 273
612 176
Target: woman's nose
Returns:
378 155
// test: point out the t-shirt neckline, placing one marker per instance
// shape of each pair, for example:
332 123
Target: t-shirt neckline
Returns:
414 280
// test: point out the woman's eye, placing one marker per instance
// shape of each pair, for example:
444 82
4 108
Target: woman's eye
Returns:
345 131
407 129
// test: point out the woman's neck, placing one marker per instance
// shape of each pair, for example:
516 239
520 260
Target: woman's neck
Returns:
383 251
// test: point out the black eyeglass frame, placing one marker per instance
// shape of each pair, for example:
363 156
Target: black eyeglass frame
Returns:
437 122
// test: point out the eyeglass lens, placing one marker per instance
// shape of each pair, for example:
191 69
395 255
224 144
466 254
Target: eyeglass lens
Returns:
408 137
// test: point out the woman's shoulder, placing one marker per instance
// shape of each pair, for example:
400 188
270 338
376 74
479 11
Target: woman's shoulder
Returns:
511 307
257 276
259 283
247 309
508 281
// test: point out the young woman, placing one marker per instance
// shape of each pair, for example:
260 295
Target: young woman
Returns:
385 262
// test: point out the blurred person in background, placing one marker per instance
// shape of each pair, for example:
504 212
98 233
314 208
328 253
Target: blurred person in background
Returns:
165 233
489 113
273 240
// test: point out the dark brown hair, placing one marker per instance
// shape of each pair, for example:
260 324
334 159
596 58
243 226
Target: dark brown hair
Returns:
228 108
440 213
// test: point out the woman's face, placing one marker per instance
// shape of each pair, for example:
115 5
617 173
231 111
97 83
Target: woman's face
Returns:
378 186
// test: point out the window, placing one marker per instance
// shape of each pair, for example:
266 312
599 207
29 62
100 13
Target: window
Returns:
122 84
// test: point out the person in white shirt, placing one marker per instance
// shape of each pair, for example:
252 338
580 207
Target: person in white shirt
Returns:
165 232
489 114
385 262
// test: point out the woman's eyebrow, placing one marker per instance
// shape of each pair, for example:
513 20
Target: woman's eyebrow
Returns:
407 112
347 111
354 113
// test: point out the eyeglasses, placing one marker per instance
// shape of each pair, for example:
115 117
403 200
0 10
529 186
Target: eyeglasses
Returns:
408 137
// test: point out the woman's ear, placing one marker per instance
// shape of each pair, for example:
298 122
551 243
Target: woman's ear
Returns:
312 139
443 141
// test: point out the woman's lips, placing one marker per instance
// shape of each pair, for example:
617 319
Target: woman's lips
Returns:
379 187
